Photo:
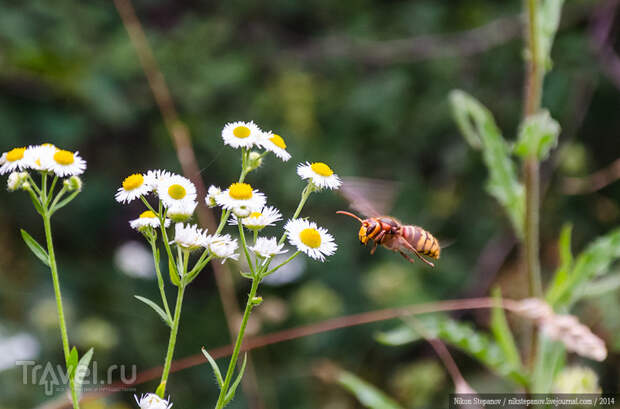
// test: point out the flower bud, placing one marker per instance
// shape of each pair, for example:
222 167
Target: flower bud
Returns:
242 211
210 199
255 160
576 379
17 180
73 183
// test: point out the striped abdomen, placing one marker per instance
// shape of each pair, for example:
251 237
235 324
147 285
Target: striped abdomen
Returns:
421 240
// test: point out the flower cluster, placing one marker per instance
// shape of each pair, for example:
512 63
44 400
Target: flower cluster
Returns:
565 328
44 158
170 198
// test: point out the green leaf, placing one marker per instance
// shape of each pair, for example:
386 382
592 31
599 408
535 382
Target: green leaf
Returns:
549 13
549 362
399 336
35 247
216 369
172 270
538 134
480 346
80 371
231 392
593 262
368 395
566 261
72 362
502 332
602 286
161 390
156 308
479 129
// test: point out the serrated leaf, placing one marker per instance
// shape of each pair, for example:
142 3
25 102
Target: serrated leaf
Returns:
72 362
156 308
538 134
399 336
502 333
81 369
368 395
35 247
216 369
479 129
549 13
231 391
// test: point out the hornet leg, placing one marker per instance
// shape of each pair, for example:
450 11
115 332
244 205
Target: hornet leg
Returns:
410 247
407 257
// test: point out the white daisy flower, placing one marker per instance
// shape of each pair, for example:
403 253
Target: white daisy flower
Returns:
175 189
149 219
223 247
155 177
152 401
241 196
241 134
211 194
258 220
320 174
189 237
40 157
181 210
64 163
274 143
133 187
16 180
315 241
267 247
13 160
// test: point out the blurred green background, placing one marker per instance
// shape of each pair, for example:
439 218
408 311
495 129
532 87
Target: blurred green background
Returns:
329 77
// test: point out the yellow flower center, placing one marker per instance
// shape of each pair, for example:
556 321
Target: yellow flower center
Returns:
15 154
255 214
64 157
310 237
240 191
148 215
177 191
278 141
321 169
133 182
241 132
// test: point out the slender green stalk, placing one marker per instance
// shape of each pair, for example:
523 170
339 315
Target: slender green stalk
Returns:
304 197
61 314
233 359
534 82
160 280
173 335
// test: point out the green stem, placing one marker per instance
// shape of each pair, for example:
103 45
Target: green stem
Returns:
160 280
233 359
61 313
245 246
304 197
173 336
276 268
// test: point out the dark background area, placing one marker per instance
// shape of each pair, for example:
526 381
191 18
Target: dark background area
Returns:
333 78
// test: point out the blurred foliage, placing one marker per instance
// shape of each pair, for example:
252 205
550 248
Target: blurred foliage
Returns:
69 75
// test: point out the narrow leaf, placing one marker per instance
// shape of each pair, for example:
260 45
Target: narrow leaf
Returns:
602 286
502 332
231 392
156 308
368 395
72 362
593 262
35 247
479 129
566 262
82 368
399 336
174 276
216 369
